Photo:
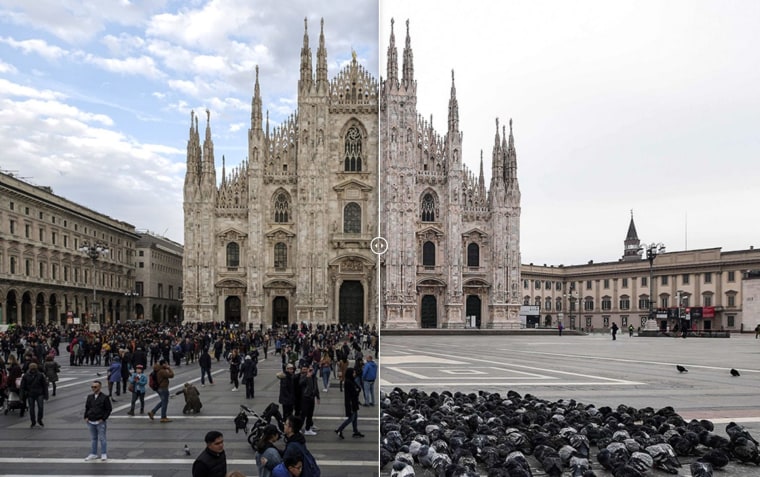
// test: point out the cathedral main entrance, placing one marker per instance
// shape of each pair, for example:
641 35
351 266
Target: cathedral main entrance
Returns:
232 309
473 308
429 312
351 303
280 312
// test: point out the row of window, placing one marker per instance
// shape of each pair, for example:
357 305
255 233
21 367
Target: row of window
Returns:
664 280
625 302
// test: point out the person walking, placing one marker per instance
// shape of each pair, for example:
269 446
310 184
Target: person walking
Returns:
114 377
34 390
248 372
235 361
96 412
267 455
204 361
560 327
351 405
614 331
51 369
212 462
325 369
369 374
309 398
163 374
138 381
630 331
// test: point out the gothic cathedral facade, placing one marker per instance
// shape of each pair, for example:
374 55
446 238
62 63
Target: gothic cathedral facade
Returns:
453 256
286 236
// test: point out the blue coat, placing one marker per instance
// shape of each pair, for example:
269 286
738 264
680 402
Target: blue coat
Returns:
139 381
114 372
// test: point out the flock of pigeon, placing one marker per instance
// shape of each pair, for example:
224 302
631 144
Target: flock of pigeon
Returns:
486 434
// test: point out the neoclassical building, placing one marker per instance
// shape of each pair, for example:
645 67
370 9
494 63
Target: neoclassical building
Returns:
285 236
453 256
44 276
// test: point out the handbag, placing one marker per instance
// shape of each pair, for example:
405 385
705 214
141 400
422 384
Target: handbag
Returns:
131 387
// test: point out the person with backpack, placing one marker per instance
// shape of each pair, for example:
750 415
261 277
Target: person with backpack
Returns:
34 390
248 372
295 448
159 378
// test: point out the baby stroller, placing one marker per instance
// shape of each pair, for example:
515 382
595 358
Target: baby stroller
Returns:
14 402
257 428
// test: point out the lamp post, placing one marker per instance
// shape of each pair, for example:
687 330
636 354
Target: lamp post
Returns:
130 294
573 296
653 250
94 251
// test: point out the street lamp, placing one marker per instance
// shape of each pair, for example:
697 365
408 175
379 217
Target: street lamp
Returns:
573 296
130 296
653 250
94 251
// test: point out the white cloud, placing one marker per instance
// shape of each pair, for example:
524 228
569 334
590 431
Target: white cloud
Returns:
8 88
7 68
138 66
40 47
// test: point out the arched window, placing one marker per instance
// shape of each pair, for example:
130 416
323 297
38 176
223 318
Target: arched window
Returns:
558 304
352 218
353 157
428 208
428 254
473 255
233 255
548 304
280 256
281 208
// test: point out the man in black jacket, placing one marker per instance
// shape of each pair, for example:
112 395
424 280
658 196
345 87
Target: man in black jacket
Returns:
212 462
96 411
34 390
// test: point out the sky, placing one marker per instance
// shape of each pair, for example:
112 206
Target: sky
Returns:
645 106
95 97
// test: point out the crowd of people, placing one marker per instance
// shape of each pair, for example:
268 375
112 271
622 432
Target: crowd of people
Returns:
138 357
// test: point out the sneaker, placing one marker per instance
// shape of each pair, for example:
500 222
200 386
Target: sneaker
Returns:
90 457
234 389
103 457
357 434
324 390
40 423
203 385
33 425
151 414
309 432
340 433
314 428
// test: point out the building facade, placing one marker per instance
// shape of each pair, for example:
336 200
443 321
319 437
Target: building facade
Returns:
285 236
453 245
45 277
157 295
707 289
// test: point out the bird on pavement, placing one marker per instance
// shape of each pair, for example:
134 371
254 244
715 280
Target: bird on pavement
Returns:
681 369
187 450
734 372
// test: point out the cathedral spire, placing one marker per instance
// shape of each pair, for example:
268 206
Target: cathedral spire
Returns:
304 84
392 64
322 59
408 67
256 104
511 157
497 159
453 107
481 177
224 170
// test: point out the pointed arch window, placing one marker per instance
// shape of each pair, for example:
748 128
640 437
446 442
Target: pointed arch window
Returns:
352 218
280 256
428 254
428 208
473 255
281 208
233 255
352 161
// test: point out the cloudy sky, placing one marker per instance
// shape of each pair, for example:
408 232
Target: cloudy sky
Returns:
95 97
648 105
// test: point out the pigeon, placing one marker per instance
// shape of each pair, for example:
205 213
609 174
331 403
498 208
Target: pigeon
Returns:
681 369
734 372
98 373
701 469
187 450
